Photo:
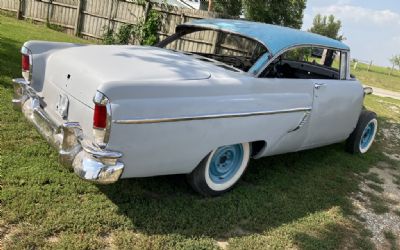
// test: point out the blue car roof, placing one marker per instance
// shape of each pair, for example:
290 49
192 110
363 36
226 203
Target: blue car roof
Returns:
275 38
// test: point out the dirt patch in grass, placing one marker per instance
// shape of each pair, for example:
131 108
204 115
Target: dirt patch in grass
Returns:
222 244
377 206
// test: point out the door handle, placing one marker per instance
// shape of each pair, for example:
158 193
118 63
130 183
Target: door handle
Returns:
319 85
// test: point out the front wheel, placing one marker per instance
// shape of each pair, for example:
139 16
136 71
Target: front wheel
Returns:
220 170
363 136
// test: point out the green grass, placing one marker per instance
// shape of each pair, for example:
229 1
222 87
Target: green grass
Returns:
377 203
377 76
298 200
391 238
374 178
375 187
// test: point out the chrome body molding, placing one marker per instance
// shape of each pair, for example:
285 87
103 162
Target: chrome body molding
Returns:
302 122
212 116
368 91
89 161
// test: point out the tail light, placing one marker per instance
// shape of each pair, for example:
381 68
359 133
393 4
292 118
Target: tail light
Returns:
100 116
26 63
101 119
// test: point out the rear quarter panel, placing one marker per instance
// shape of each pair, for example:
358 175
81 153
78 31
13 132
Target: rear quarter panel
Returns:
177 147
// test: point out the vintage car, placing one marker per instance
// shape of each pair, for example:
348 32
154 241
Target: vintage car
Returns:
202 102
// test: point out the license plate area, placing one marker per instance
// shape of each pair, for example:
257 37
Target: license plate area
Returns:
62 106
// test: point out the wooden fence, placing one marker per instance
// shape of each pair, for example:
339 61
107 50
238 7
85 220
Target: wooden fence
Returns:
91 18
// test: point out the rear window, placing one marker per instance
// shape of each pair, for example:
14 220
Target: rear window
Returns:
229 49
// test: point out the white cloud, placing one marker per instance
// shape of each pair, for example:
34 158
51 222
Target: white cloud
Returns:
344 2
360 14
396 39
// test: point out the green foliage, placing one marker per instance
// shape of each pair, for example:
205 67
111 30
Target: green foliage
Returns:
149 28
108 37
299 54
125 33
281 12
144 32
327 26
55 27
229 7
395 60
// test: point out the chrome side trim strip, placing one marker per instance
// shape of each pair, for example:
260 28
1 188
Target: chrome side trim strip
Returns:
302 122
208 117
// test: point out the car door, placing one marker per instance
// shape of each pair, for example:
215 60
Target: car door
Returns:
336 107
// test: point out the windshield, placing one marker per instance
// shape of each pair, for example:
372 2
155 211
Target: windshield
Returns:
227 50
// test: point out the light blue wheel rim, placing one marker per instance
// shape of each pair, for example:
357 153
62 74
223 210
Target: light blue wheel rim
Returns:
367 136
225 163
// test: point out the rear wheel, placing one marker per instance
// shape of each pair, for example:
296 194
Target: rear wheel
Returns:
220 170
363 136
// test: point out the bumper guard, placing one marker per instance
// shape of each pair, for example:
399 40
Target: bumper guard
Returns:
89 161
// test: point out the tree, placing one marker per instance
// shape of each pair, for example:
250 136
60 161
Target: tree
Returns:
395 60
210 5
229 7
327 26
282 12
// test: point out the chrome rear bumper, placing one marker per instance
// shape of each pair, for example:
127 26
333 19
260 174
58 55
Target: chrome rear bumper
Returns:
88 160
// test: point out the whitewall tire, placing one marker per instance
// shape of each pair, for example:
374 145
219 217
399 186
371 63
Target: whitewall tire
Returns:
221 169
363 136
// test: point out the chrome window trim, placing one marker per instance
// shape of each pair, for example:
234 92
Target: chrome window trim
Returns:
211 116
348 76
343 69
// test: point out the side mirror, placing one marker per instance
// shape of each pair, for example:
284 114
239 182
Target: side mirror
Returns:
368 91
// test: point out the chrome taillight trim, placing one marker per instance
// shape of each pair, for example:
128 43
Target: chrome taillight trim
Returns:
102 99
27 74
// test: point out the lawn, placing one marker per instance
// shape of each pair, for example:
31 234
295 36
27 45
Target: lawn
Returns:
377 76
299 200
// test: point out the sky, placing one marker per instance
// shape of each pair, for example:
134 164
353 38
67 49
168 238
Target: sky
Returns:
371 27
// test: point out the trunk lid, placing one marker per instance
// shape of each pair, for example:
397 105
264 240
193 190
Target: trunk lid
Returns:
80 71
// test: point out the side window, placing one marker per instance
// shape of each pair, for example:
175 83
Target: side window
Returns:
308 63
